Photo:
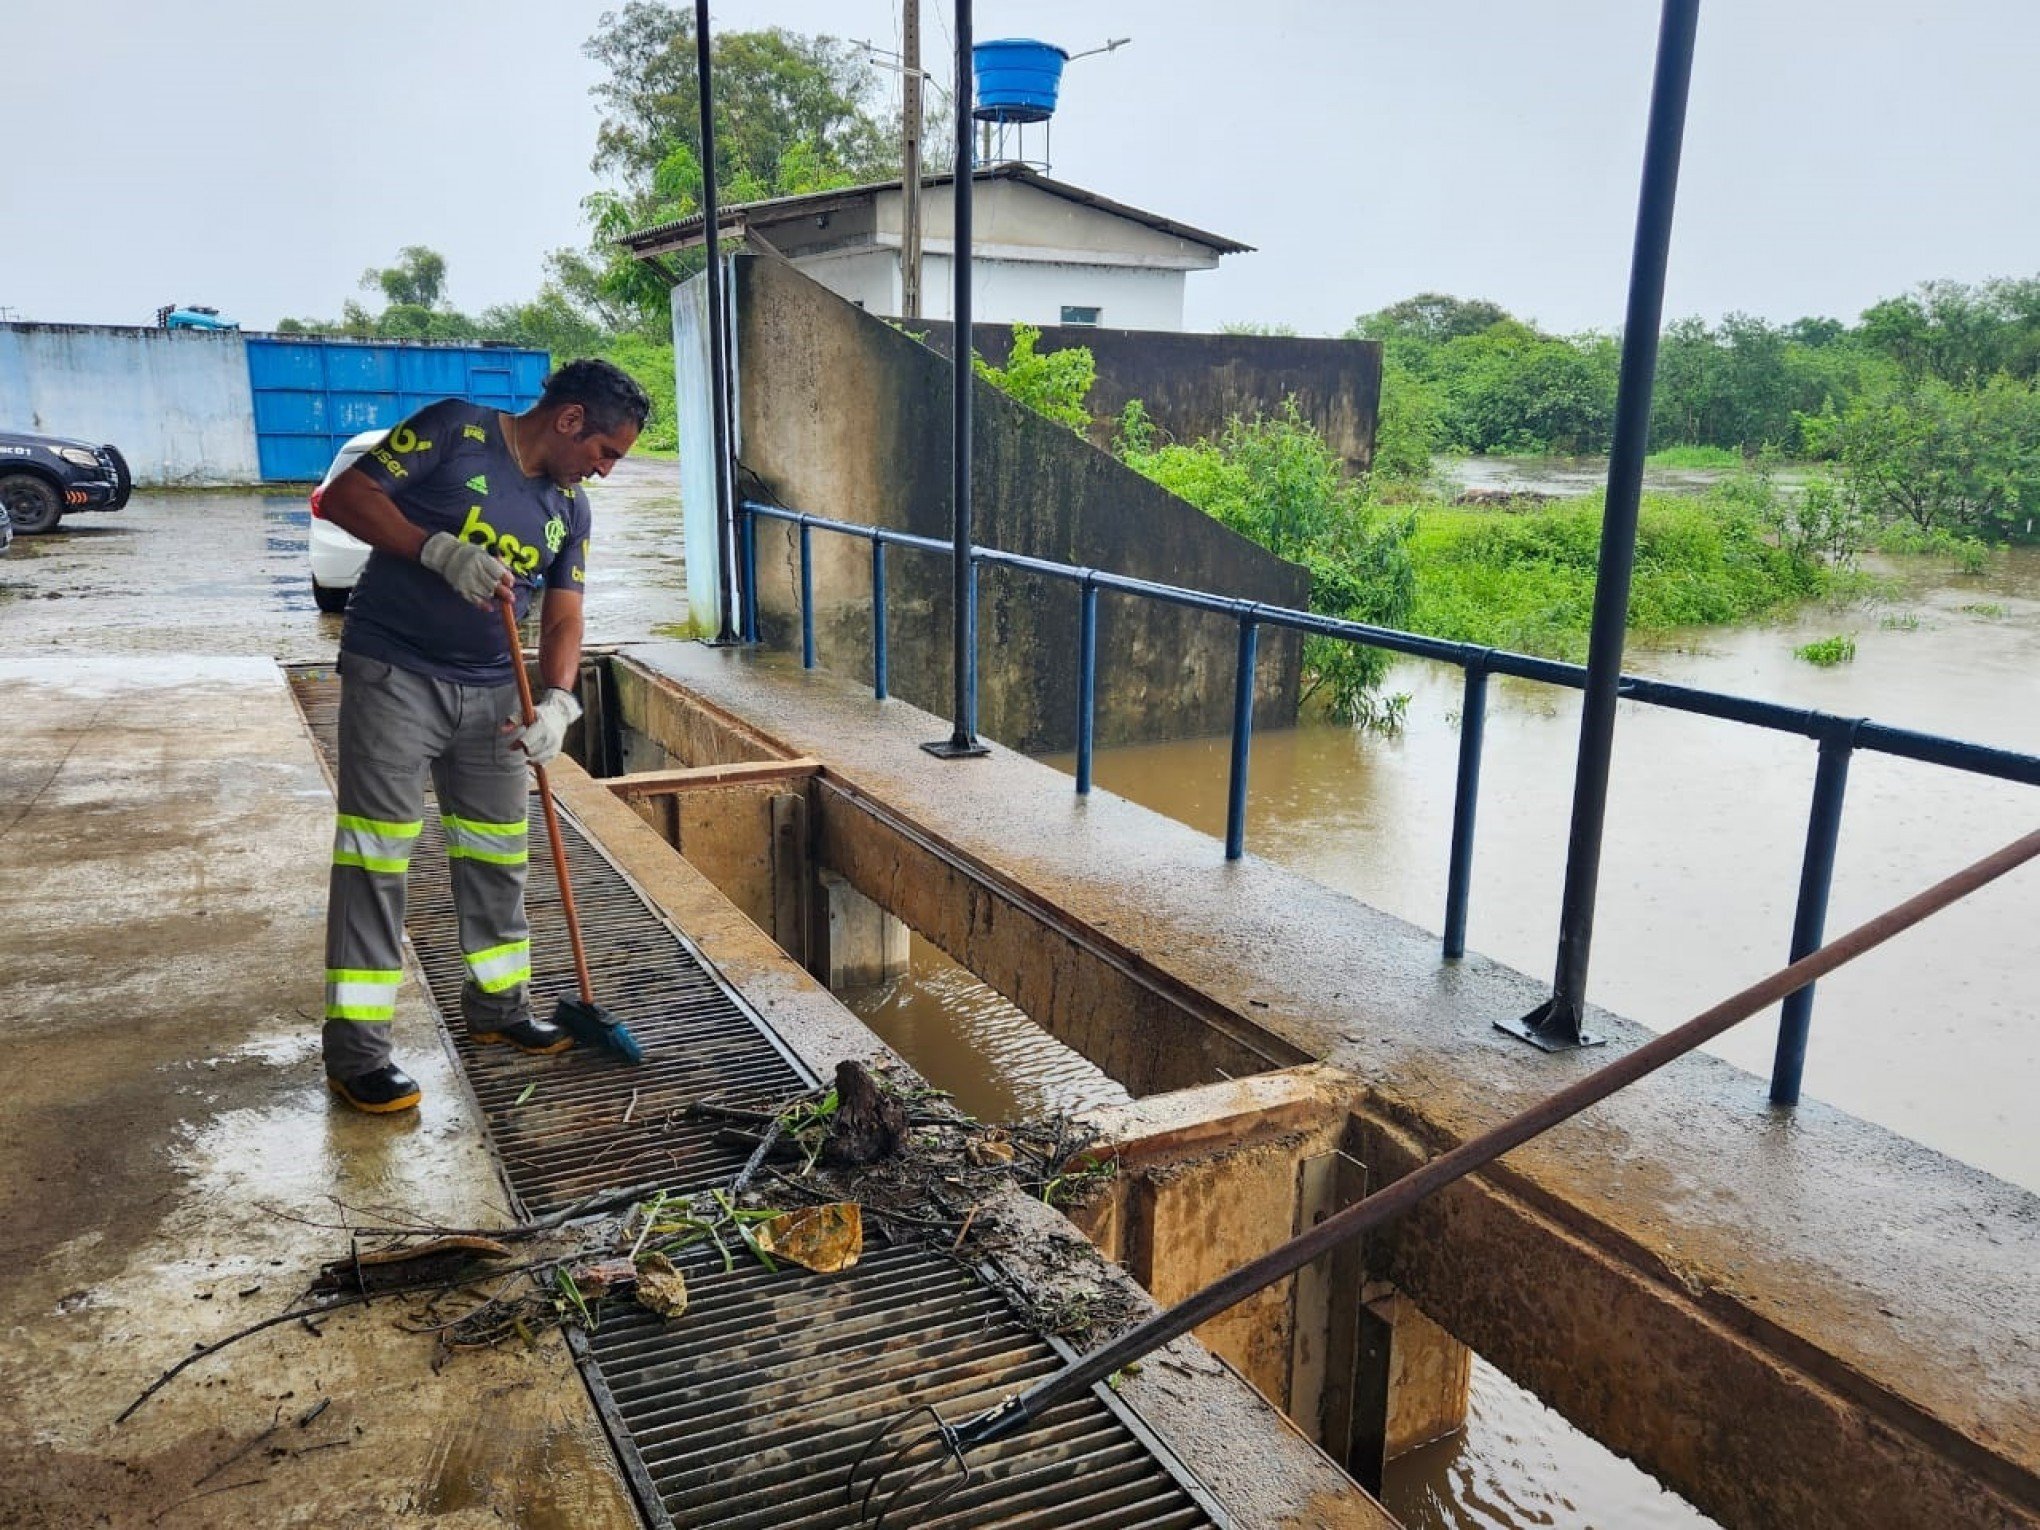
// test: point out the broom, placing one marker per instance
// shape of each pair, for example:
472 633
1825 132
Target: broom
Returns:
582 1018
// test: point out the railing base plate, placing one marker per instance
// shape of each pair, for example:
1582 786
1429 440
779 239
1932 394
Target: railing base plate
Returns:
1551 1028
956 749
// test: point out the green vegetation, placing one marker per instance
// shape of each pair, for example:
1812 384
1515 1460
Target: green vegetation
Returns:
1899 621
1055 384
1928 407
1525 579
794 114
1827 652
1273 480
1695 457
1521 578
1988 609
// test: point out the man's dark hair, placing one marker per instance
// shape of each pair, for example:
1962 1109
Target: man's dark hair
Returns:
609 396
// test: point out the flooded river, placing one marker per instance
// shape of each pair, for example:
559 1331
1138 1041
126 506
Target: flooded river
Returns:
1932 1036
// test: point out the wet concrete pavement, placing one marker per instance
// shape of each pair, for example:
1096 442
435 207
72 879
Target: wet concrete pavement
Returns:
162 881
224 572
162 877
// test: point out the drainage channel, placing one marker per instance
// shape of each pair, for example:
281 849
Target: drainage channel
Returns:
751 1409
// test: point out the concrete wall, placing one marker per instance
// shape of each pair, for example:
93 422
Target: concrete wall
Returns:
842 415
176 402
1192 384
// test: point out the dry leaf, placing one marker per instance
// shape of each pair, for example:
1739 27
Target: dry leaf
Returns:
820 1238
660 1287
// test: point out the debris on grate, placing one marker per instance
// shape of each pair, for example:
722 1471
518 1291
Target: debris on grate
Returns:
659 1287
450 1257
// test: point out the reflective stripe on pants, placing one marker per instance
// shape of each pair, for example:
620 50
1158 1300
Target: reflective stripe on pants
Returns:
395 726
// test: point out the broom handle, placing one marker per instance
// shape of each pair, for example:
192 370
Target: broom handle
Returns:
545 797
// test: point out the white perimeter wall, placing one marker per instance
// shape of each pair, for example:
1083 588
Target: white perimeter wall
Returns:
176 402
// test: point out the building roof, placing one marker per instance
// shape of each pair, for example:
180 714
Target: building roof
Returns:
683 233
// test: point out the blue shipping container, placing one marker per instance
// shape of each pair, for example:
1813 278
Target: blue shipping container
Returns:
312 393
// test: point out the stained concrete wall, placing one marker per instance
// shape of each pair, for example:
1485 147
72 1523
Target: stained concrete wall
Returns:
176 402
1192 384
842 415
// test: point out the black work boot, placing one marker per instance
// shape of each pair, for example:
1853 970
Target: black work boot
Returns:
541 1038
387 1089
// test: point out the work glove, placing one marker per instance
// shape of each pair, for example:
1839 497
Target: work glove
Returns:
474 572
542 736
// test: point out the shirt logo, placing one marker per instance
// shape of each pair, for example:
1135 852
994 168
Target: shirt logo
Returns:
390 464
521 558
555 533
473 433
404 441
479 483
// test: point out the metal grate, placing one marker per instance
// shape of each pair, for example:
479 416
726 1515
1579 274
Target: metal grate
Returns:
750 1411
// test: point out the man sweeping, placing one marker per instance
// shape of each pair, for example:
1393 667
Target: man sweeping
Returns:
462 505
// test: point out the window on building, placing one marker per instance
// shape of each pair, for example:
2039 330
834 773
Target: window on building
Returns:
1079 315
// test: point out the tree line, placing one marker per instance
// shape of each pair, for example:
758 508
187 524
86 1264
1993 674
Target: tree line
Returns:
793 114
1927 406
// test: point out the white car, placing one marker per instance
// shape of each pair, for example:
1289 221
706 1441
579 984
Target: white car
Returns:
337 558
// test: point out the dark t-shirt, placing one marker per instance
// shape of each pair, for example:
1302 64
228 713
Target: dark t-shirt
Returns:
448 469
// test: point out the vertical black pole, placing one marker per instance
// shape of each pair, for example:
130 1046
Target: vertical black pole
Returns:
1087 684
718 359
1465 802
881 681
1242 741
1809 921
1555 1025
962 742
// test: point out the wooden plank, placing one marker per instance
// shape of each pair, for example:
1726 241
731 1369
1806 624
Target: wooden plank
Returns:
659 783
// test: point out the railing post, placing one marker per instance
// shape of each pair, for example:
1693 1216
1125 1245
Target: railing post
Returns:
878 654
1087 682
1242 736
807 596
1809 923
1556 1025
748 534
1459 877
718 309
962 743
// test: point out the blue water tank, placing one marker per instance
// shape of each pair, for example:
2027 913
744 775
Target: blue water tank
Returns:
1017 79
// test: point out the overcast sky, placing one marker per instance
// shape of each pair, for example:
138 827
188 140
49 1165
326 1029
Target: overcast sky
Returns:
257 156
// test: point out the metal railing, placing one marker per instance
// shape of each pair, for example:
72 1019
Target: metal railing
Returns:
1839 738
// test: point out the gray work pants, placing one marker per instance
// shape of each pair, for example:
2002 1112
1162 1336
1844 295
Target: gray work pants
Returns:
394 725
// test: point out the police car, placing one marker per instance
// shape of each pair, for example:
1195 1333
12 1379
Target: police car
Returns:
45 478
